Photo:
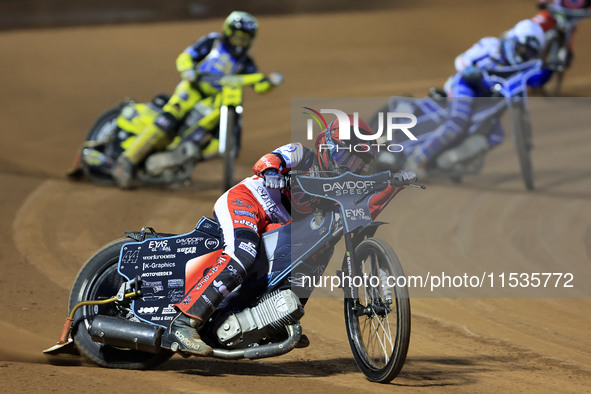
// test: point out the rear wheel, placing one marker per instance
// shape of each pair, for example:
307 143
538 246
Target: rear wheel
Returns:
378 320
100 280
101 132
522 136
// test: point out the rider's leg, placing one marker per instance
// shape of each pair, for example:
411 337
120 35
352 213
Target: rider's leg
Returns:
459 113
240 217
206 132
496 137
157 134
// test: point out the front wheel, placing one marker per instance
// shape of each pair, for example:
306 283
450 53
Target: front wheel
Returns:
522 137
378 319
98 280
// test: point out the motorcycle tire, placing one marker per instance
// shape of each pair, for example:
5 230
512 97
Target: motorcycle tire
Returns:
554 43
522 137
99 279
106 123
378 321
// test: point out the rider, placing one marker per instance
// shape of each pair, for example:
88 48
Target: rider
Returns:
549 20
258 204
217 53
517 46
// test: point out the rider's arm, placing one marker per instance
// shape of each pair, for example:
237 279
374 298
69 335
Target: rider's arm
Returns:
195 53
250 67
283 159
480 55
379 201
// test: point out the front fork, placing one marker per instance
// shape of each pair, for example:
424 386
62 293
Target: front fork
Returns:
352 268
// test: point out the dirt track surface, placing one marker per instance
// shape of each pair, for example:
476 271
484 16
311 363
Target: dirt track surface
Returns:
53 85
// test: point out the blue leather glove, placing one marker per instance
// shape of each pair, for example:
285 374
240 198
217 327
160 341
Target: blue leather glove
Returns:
472 74
273 179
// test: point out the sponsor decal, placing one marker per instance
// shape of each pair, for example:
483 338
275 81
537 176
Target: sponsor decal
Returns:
220 261
207 300
234 274
212 243
156 286
156 274
189 241
159 246
239 212
239 203
158 266
221 288
169 310
355 214
347 187
159 257
266 161
176 283
187 300
269 205
152 298
148 310
187 250
249 248
176 295
248 224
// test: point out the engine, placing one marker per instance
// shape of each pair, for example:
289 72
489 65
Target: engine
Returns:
269 317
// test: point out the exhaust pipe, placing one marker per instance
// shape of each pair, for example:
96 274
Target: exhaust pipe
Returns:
126 334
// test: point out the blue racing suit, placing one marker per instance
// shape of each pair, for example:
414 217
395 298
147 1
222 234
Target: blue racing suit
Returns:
466 84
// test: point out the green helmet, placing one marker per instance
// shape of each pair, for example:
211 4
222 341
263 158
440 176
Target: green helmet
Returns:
239 31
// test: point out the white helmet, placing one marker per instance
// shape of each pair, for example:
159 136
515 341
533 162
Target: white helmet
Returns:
523 42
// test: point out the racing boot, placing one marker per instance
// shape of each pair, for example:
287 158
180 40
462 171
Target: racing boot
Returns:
123 173
184 338
468 149
151 137
157 163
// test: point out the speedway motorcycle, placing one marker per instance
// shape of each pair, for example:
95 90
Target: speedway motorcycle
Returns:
123 298
555 55
509 92
213 128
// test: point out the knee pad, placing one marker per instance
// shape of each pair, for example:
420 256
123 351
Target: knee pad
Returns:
167 123
246 247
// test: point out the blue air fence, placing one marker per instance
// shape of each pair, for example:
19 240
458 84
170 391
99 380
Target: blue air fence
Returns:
486 236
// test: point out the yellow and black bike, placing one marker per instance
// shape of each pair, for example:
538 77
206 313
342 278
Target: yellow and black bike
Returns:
212 129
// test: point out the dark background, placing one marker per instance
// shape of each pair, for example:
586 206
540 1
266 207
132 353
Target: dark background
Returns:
19 14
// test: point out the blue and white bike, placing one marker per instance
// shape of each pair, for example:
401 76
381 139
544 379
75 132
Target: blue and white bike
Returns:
509 92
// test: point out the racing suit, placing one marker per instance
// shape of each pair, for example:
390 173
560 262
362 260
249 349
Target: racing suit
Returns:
550 20
208 55
244 213
462 88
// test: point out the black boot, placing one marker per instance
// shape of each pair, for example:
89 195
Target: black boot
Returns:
184 338
123 173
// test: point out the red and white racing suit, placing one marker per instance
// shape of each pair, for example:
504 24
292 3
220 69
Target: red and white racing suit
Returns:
244 213
546 19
